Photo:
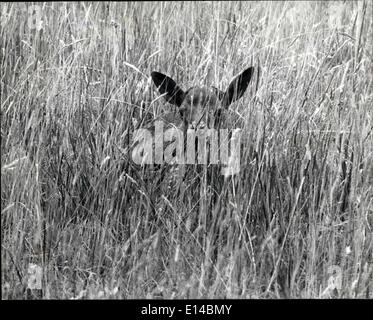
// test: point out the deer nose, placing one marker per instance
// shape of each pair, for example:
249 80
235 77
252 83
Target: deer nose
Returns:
197 125
192 125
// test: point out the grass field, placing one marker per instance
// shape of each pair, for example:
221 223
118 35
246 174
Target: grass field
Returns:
295 222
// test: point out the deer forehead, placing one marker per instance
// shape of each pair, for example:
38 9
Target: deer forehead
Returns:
201 96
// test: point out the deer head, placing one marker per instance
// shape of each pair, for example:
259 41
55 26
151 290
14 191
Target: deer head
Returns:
200 106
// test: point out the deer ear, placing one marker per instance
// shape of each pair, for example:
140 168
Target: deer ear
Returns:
237 87
174 94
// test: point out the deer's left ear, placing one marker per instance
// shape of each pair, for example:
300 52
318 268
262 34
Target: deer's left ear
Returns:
174 94
237 87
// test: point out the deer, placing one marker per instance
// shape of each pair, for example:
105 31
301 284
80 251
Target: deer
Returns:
203 187
198 108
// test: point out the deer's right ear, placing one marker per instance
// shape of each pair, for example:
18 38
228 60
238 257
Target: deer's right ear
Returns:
237 87
174 94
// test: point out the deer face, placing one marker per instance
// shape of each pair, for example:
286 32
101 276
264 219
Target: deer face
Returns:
201 106
197 105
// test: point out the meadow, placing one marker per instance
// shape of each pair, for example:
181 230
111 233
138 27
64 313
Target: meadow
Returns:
295 222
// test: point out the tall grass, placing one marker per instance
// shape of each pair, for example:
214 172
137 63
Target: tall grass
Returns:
73 203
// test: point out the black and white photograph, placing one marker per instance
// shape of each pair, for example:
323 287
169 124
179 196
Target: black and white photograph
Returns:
187 150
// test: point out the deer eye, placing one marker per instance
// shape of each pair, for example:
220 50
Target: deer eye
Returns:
182 111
